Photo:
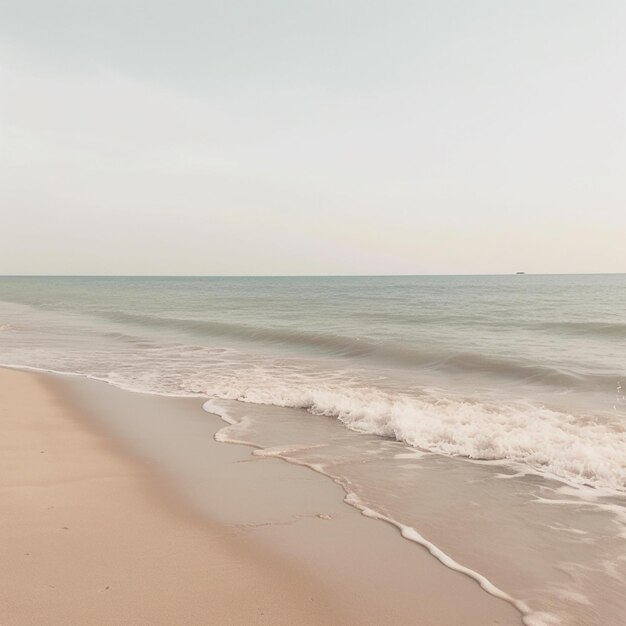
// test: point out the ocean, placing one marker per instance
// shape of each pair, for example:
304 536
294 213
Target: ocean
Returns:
484 416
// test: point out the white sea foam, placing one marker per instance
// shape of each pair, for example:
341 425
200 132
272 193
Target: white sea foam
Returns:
575 449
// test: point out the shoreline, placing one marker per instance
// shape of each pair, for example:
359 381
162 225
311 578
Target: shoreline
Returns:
89 535
325 561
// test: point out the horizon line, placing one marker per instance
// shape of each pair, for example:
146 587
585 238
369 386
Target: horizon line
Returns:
519 273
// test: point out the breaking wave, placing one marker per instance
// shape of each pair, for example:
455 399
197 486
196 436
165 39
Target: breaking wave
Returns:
575 449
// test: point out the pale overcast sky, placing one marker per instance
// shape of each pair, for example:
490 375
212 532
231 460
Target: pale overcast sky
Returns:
343 137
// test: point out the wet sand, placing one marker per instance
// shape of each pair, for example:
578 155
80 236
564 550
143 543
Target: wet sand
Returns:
118 507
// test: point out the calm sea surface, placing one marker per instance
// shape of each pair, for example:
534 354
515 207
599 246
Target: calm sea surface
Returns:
483 414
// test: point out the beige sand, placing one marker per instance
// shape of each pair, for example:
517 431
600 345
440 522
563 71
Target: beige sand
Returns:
85 537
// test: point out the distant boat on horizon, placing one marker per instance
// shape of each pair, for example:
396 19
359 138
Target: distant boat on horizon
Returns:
520 272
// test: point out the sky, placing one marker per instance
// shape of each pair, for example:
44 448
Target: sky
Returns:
343 137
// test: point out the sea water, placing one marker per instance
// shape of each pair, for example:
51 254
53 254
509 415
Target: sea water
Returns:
485 416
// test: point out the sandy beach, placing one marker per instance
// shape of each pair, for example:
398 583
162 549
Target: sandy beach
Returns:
97 527
87 537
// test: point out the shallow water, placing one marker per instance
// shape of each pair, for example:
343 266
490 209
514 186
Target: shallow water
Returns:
493 405
558 552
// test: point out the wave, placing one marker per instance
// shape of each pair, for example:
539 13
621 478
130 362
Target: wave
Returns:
615 330
334 344
611 330
575 449
384 352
